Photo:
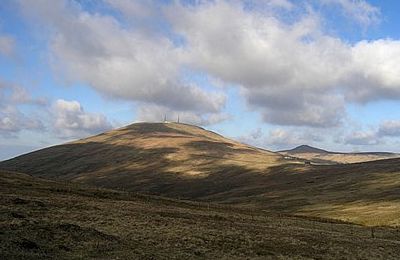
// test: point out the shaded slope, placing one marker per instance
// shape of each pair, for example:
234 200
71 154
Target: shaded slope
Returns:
41 219
157 158
183 161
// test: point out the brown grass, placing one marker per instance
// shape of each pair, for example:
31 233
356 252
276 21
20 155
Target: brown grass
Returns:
335 158
42 219
188 162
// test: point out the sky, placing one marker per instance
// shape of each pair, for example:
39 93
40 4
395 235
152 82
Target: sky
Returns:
270 73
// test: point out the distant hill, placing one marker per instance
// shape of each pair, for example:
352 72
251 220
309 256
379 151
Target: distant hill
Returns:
305 149
187 162
319 156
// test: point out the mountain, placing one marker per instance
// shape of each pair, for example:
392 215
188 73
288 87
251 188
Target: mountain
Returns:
42 219
305 149
188 162
157 158
319 156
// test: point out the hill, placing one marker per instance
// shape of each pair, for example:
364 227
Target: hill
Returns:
157 158
42 219
304 149
319 156
187 162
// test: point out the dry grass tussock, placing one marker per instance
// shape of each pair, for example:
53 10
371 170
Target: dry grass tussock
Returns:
58 220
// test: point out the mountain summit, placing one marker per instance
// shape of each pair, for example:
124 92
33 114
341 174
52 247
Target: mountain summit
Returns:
305 149
319 156
147 157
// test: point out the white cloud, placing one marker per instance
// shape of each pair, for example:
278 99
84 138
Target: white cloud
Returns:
71 121
389 128
374 73
362 138
121 62
358 10
292 73
12 119
155 113
284 138
374 136
281 73
281 138
21 95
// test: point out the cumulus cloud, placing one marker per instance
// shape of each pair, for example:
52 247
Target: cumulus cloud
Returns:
71 120
374 74
121 62
284 138
12 119
279 71
293 73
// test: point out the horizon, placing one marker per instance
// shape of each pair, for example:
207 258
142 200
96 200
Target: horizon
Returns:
278 75
173 122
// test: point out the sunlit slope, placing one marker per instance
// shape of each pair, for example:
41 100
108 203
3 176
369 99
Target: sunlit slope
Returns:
184 161
42 219
365 193
151 157
319 156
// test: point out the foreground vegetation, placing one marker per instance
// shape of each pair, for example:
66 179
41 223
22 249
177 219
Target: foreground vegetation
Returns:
45 219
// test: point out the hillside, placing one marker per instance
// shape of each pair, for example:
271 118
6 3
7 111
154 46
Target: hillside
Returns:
157 158
188 162
319 156
42 219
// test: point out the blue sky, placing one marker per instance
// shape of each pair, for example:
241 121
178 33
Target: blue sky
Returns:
271 73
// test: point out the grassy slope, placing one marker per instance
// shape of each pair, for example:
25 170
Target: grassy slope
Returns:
143 155
325 157
183 161
46 219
